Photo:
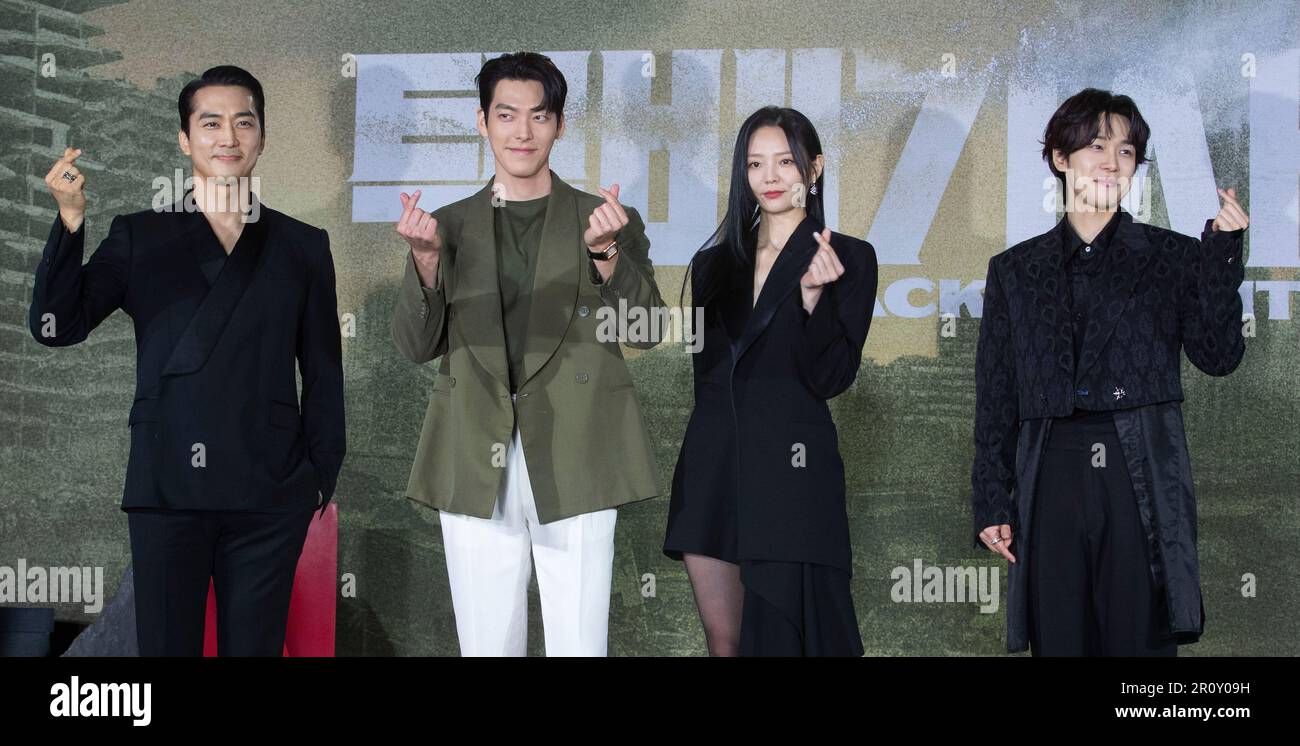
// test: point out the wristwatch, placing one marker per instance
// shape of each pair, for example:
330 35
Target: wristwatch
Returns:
606 255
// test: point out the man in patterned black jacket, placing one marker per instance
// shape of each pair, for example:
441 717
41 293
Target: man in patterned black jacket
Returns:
1080 453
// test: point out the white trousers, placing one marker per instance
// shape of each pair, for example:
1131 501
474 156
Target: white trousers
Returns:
489 568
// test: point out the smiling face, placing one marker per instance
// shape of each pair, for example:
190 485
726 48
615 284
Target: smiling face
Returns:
774 176
1100 172
225 137
520 132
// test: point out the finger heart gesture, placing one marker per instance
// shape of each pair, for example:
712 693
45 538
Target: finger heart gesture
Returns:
825 266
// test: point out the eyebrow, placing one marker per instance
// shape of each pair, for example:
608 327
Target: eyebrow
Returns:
501 105
783 152
215 115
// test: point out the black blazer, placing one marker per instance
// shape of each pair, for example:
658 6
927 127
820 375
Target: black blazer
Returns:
762 379
214 365
1164 293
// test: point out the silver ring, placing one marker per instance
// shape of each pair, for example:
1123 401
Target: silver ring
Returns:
996 540
69 176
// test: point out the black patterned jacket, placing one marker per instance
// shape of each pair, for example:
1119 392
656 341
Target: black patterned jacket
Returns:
1162 293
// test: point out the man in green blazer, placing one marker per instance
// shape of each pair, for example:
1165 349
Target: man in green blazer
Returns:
517 290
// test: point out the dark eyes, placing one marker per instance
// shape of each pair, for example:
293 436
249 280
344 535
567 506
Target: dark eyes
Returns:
241 123
1122 151
784 162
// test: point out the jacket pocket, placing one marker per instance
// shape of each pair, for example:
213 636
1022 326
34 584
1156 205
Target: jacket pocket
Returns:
442 383
285 415
144 410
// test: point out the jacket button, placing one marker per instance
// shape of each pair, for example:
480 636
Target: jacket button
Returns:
1082 391
583 311
581 377
453 381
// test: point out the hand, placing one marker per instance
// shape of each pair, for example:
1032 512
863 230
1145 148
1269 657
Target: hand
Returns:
605 222
823 269
1231 216
70 195
1003 547
419 228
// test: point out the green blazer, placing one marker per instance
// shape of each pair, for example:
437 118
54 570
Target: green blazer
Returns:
584 441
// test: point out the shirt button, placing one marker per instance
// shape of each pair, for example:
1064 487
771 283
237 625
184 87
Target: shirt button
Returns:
1087 249
1082 391
453 381
581 377
583 311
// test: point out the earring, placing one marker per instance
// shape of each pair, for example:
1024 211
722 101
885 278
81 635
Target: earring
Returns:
813 189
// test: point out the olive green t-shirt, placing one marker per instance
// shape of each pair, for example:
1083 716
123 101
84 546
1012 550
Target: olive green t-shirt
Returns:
519 241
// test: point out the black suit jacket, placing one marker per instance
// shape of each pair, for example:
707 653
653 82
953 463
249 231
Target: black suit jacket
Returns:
762 379
216 423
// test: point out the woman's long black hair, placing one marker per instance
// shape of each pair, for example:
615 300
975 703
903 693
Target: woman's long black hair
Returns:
738 232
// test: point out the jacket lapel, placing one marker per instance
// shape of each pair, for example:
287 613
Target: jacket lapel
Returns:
478 295
790 265
205 326
555 284
1130 254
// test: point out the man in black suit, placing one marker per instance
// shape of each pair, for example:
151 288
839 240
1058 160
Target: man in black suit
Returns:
225 472
1080 453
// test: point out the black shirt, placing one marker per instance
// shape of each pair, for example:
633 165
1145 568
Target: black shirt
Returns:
1085 262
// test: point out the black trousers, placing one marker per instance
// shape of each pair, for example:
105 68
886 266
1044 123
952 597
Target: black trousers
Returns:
1091 592
251 559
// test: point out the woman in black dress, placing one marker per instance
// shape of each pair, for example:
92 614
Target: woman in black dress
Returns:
757 509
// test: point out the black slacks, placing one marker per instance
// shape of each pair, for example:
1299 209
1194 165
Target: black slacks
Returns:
1091 592
250 558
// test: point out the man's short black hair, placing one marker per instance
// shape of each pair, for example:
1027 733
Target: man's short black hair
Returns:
222 75
524 66
1079 121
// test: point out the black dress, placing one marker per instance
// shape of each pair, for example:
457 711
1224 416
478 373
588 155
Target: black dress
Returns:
759 480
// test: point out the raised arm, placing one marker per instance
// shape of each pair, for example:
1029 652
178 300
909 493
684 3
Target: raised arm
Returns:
836 329
69 300
632 275
420 319
1210 309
